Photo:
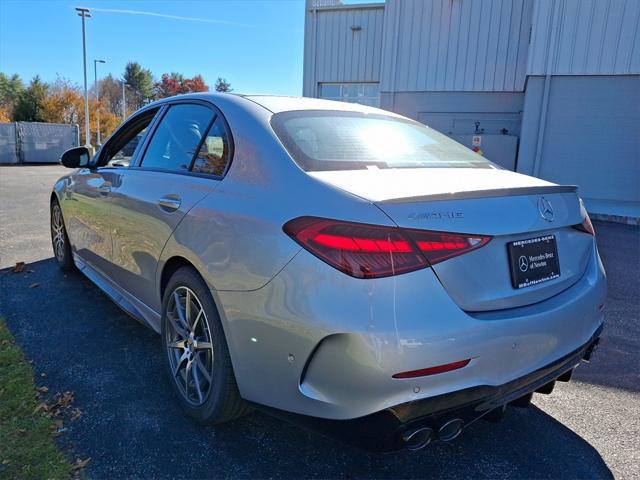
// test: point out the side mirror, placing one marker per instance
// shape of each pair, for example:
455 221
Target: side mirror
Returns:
76 157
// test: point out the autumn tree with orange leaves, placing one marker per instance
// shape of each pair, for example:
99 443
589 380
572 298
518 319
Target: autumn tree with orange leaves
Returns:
4 115
65 104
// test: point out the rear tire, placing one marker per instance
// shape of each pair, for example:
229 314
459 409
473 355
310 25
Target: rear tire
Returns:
196 354
60 239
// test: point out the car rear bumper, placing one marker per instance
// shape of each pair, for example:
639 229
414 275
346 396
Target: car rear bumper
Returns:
317 342
386 430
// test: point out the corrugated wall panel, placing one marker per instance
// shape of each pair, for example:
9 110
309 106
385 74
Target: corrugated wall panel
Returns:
310 47
515 24
463 45
336 53
593 37
456 45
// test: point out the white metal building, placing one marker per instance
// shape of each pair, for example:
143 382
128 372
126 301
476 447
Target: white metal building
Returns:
547 87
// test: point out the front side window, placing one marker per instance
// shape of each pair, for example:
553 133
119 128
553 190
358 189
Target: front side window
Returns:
176 139
121 149
213 156
340 140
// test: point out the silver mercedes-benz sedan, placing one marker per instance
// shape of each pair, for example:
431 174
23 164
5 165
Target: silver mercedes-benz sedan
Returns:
333 263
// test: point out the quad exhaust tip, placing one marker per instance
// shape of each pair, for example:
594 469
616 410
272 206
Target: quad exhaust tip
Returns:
450 430
419 438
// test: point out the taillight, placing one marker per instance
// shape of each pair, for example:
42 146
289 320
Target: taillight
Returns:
372 251
440 246
586 226
357 249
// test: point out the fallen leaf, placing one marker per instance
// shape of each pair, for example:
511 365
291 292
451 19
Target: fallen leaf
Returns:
65 399
21 430
43 374
43 389
42 406
34 285
80 464
76 413
5 462
19 266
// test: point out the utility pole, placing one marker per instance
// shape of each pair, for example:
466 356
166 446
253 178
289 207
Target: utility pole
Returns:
124 101
84 13
95 76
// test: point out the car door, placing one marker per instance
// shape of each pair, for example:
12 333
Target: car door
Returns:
88 205
86 212
154 195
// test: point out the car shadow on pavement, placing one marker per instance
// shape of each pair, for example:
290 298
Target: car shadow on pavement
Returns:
617 362
131 427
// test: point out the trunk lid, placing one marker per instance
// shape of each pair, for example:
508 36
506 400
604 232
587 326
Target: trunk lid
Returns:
495 202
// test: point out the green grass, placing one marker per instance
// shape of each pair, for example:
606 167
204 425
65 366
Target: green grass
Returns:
27 447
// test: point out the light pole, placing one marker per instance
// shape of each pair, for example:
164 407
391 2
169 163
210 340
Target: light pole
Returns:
124 101
84 13
95 76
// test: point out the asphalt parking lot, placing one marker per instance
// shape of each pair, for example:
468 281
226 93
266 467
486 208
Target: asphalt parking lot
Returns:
588 428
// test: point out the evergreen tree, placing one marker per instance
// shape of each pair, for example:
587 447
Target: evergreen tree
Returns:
29 106
140 81
222 85
11 88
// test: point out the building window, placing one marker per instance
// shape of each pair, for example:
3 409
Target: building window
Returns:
364 93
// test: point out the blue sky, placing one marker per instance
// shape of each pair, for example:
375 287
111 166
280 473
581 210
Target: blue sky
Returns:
257 45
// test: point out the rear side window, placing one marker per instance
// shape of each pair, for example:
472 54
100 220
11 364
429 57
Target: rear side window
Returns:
213 156
337 140
176 139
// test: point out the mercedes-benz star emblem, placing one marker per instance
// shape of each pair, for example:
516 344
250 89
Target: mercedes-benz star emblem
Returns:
545 209
523 263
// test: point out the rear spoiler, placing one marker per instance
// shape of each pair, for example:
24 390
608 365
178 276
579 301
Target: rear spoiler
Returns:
494 192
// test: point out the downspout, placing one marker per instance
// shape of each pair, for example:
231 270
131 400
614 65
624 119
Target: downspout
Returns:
553 39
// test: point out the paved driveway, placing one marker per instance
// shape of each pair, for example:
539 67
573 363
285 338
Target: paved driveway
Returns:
588 428
24 212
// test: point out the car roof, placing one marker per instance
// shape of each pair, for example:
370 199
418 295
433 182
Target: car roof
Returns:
281 103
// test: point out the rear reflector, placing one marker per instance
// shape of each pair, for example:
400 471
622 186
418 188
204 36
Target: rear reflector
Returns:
373 251
433 370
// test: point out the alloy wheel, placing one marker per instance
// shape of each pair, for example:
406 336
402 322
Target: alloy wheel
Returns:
189 345
57 232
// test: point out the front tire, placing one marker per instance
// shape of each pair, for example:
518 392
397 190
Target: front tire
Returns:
60 239
196 355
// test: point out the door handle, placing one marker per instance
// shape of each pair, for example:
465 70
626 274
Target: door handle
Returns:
105 188
170 203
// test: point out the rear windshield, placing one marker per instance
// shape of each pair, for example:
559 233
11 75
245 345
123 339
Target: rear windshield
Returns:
334 140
